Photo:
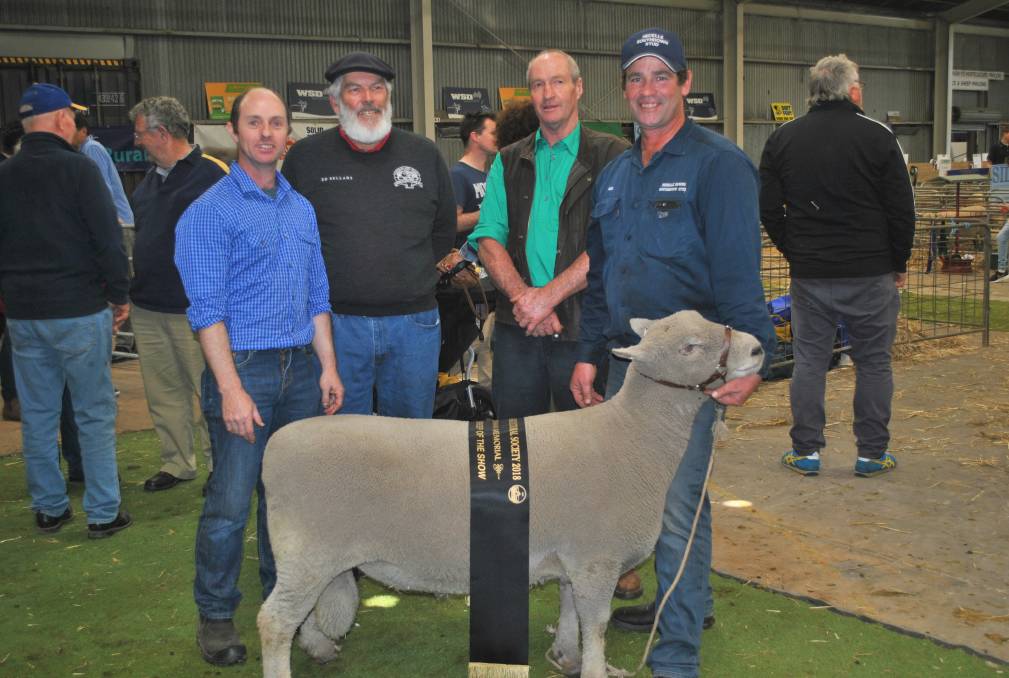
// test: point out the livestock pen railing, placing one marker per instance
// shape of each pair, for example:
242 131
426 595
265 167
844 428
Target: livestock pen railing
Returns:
947 291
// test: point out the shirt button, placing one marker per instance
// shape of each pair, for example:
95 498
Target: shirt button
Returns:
636 204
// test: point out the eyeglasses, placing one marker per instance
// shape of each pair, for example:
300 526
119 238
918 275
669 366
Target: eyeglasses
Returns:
141 132
861 85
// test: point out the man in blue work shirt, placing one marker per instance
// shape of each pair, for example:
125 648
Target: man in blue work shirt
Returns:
249 255
674 227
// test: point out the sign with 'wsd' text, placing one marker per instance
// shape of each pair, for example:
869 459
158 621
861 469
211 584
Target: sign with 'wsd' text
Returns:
308 100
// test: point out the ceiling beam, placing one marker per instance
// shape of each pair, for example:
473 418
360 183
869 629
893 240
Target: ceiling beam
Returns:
970 9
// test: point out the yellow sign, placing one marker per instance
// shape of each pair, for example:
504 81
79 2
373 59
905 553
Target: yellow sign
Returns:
782 111
508 94
220 96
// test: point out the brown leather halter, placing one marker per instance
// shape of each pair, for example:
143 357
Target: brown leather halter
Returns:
719 372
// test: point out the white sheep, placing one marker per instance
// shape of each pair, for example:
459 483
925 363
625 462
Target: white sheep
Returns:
391 497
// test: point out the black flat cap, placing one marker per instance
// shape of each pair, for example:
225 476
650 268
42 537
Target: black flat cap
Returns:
360 61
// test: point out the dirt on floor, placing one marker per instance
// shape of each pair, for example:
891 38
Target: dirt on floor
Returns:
923 548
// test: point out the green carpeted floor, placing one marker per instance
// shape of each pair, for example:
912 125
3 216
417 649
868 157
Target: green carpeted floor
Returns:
123 607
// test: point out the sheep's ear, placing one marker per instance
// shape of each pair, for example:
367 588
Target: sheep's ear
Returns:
629 353
641 325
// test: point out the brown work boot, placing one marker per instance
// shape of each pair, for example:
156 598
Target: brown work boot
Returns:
12 410
628 586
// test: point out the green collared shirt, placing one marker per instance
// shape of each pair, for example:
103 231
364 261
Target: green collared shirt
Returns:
553 165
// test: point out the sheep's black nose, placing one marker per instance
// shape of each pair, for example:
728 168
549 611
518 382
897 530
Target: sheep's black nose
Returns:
757 350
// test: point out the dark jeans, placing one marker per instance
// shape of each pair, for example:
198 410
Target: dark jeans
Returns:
7 385
678 651
868 307
70 446
284 384
529 372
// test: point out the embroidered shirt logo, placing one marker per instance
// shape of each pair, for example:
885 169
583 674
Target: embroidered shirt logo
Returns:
673 186
407 177
338 177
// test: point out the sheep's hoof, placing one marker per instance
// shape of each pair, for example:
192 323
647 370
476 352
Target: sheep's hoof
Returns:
567 666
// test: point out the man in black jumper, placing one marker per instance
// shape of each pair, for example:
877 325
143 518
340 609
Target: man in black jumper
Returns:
383 199
63 276
170 357
836 200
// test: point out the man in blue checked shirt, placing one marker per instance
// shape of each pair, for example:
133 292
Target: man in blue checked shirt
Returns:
249 255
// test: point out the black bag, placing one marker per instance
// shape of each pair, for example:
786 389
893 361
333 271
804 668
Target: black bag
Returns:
463 401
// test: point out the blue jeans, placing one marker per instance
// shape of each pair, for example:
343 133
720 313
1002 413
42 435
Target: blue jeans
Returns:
530 372
76 353
677 653
393 357
1003 247
284 384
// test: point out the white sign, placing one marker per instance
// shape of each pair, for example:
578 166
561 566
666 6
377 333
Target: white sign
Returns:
976 81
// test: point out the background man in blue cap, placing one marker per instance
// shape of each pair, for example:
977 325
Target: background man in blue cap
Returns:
387 215
664 238
63 275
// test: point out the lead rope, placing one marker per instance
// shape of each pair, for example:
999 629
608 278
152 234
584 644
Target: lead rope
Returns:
679 572
623 673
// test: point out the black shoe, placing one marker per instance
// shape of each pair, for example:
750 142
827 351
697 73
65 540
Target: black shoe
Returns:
48 524
219 642
12 410
641 618
102 530
207 484
162 480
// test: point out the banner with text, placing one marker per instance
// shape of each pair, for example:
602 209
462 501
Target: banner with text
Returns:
701 106
458 101
118 141
308 100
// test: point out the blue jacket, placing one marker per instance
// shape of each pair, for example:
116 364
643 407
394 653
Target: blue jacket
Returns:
682 233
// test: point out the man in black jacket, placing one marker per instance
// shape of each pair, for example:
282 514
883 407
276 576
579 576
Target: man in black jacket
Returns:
836 200
170 358
63 276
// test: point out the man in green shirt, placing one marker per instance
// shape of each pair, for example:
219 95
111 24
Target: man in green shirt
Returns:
531 239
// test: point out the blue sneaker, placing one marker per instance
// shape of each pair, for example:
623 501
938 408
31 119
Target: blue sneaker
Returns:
804 464
866 468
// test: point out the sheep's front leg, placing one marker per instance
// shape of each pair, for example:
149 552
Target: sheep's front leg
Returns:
564 654
592 601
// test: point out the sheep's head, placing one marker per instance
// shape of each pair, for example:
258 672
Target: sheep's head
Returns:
684 348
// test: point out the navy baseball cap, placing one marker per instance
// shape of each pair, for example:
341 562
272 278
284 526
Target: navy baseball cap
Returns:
360 61
45 98
654 42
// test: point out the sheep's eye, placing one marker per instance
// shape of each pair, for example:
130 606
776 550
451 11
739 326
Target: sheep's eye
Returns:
689 347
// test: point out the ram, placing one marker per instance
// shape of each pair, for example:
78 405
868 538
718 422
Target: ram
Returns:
391 497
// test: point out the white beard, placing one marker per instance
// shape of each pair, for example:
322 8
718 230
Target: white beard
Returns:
362 133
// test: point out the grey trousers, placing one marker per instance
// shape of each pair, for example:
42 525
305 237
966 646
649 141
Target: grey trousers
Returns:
868 307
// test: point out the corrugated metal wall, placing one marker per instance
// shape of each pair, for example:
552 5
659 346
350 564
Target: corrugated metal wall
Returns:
474 40
983 53
245 41
895 64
